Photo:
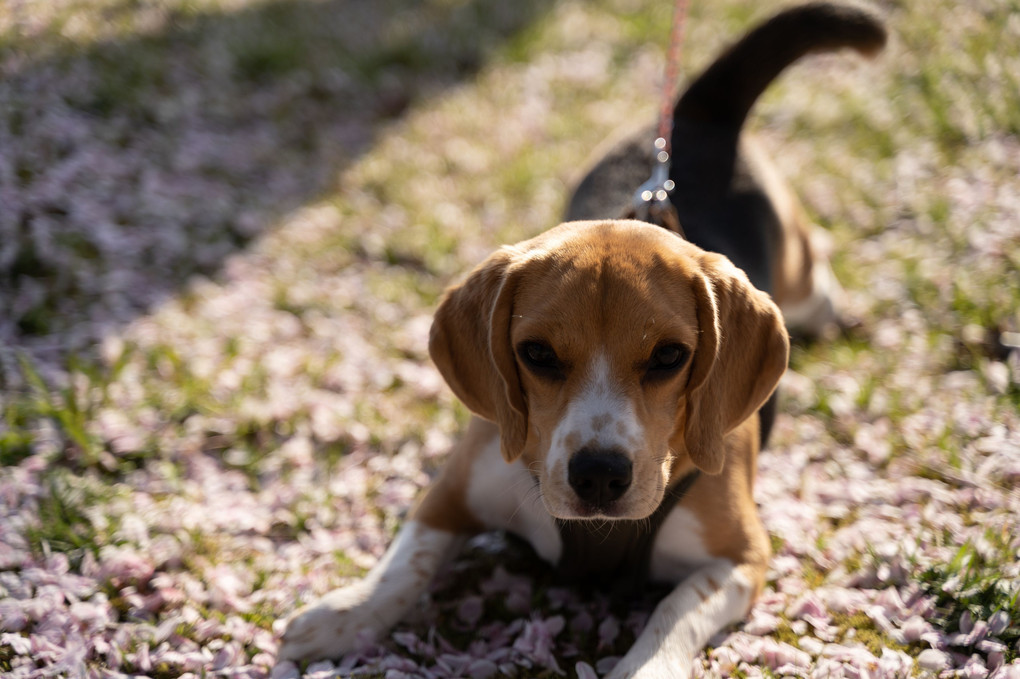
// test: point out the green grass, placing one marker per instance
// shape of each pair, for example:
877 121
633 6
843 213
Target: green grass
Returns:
972 583
64 517
68 409
16 435
462 162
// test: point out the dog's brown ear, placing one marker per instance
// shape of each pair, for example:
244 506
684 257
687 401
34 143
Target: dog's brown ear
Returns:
470 344
742 352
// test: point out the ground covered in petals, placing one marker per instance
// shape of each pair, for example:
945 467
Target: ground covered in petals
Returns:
224 226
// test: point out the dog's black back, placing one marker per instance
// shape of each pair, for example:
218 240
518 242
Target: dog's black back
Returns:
719 198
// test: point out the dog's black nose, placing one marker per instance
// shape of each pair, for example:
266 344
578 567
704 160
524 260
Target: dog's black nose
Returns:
599 476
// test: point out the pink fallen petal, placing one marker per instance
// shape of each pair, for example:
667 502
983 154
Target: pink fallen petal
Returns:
998 623
471 610
976 631
777 654
761 623
990 646
17 643
1011 671
914 628
811 645
726 659
13 617
935 638
408 640
979 631
122 565
585 671
789 671
879 617
482 669
747 646
856 672
558 597
142 658
827 669
605 665
536 641
453 664
609 629
974 668
321 666
818 623
807 605
518 601
230 655
890 599
857 656
582 622
555 625
895 664
350 661
397 663
933 660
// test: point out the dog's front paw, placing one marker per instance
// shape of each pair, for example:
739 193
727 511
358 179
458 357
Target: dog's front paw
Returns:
333 625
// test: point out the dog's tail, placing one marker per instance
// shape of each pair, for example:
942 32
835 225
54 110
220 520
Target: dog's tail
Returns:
725 92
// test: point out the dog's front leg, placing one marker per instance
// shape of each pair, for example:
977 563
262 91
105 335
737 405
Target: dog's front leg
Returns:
712 597
340 620
336 623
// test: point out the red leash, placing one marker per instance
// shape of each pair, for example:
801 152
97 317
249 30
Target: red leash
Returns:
652 195
676 41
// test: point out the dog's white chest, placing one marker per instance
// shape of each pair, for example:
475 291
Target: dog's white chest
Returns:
506 495
678 548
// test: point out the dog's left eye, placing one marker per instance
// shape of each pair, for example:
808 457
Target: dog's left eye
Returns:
667 358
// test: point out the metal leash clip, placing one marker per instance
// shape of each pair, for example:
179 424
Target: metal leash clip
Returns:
654 193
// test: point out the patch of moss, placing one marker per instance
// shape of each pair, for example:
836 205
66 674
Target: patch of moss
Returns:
785 634
814 577
866 632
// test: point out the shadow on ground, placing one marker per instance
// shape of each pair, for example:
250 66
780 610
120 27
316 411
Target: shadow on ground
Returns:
132 164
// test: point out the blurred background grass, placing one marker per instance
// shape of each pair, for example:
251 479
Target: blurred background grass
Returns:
225 223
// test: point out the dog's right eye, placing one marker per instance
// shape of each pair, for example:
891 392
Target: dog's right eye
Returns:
540 357
666 360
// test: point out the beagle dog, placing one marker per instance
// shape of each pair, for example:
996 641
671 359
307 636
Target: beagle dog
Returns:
617 370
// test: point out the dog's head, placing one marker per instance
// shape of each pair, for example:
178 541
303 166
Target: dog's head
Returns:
607 351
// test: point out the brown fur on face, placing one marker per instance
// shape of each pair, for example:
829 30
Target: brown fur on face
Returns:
603 296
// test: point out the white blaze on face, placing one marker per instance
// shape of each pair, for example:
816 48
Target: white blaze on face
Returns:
599 416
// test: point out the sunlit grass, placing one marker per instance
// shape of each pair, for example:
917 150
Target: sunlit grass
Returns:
278 353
